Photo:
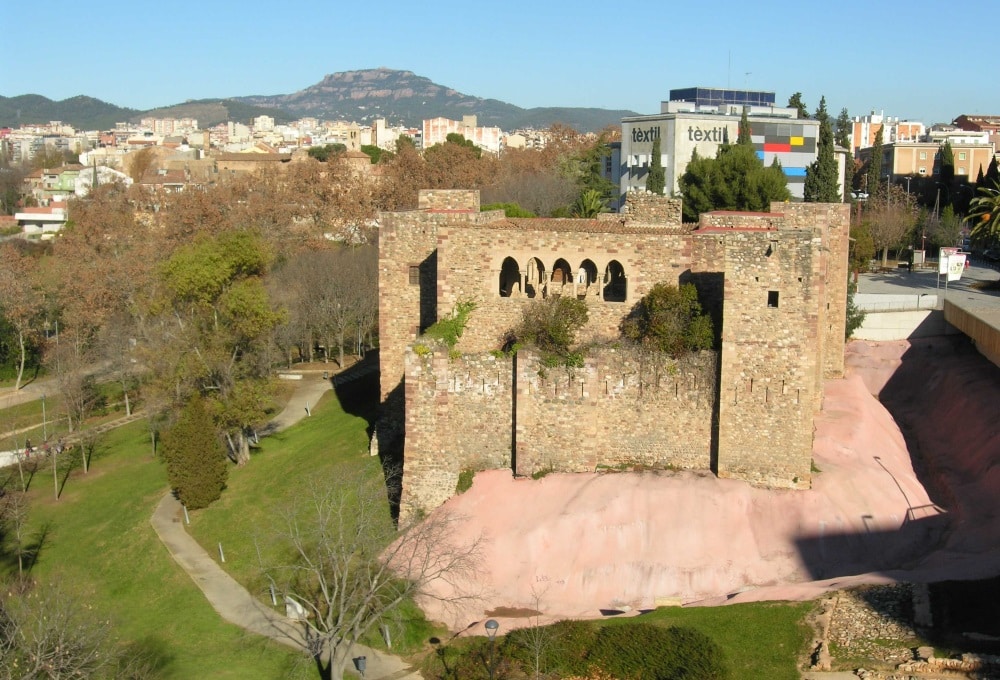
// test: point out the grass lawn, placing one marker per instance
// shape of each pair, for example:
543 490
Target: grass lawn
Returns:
98 541
761 640
329 442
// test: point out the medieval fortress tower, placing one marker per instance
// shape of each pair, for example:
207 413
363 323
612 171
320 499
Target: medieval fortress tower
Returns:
775 284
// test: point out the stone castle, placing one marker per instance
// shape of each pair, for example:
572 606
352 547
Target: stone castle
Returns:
775 284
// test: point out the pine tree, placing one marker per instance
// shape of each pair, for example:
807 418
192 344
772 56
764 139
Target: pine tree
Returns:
822 115
196 459
795 102
822 183
656 179
874 174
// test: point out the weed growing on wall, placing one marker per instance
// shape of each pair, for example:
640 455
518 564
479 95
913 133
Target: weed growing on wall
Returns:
450 328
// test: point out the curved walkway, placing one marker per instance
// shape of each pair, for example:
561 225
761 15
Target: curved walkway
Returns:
230 599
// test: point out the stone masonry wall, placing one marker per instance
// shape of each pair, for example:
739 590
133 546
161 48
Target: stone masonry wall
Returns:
619 409
448 199
832 223
775 284
458 416
648 208
769 360
470 261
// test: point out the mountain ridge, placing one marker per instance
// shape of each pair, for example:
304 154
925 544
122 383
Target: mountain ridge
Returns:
401 97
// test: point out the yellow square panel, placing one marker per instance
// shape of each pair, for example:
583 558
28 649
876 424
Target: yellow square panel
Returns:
797 141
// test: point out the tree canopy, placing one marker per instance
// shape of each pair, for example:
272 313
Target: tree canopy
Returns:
736 179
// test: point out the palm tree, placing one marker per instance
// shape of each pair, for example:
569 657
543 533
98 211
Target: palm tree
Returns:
589 204
985 210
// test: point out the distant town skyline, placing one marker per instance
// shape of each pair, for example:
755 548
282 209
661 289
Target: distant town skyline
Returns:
860 56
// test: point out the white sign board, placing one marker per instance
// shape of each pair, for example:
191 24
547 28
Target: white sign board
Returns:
943 259
956 265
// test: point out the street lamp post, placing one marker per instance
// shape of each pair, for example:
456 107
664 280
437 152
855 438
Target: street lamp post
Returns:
491 631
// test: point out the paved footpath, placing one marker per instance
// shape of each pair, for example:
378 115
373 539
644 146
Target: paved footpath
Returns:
231 600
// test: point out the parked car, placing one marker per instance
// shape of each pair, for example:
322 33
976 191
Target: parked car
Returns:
991 255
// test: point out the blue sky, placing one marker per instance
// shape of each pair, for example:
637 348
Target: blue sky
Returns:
861 55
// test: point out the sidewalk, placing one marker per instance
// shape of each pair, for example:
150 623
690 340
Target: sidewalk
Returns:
230 599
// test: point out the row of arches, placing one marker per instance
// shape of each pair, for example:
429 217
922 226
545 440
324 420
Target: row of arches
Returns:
537 281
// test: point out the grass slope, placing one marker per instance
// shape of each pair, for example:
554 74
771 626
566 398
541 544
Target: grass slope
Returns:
97 540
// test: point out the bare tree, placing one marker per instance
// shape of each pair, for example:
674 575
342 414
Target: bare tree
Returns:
48 633
14 515
350 569
21 303
890 214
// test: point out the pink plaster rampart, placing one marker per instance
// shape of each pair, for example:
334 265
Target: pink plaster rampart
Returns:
570 545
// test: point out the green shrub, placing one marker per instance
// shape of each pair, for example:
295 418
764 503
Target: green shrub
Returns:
465 478
642 651
572 641
195 457
551 326
509 209
669 319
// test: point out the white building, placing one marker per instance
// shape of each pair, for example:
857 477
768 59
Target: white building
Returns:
684 127
436 131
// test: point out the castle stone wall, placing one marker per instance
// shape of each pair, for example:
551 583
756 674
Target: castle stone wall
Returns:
619 409
648 208
769 361
471 259
458 416
775 284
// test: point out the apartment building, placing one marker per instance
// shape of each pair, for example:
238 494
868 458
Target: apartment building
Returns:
893 129
923 158
436 131
976 123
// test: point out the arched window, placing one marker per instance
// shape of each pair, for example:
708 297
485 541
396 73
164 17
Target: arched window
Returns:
586 277
562 275
534 279
615 284
510 278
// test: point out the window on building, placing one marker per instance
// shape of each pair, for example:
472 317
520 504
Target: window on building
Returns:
615 282
961 155
922 171
923 155
772 298
510 278
414 275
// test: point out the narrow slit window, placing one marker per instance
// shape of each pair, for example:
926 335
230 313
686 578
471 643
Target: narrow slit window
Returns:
772 298
414 275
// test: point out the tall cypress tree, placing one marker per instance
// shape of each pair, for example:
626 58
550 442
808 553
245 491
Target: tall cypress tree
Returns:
822 184
656 179
845 127
874 173
992 174
744 135
947 163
